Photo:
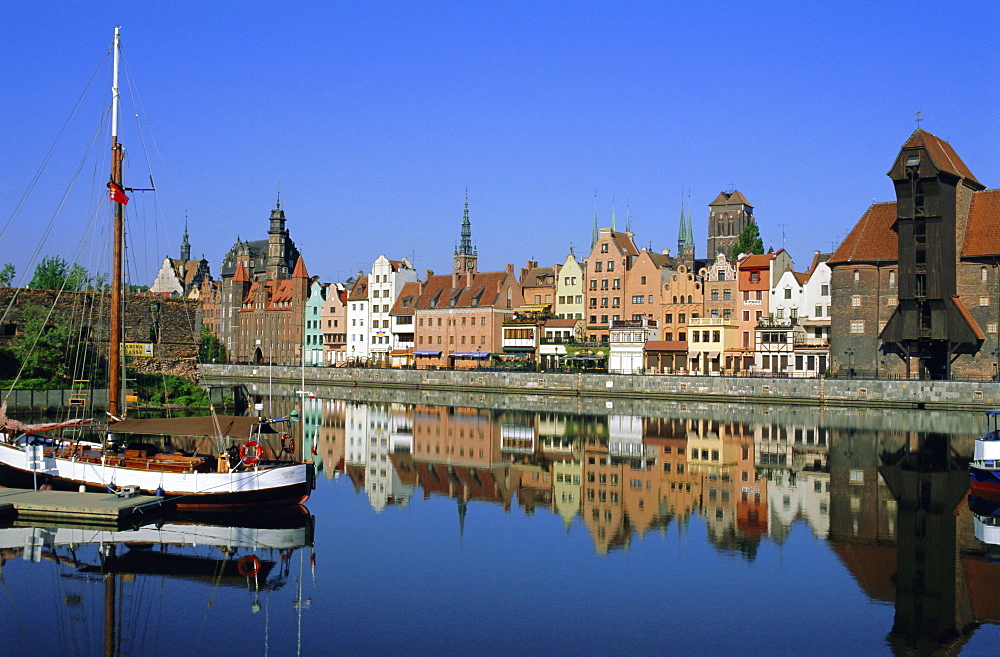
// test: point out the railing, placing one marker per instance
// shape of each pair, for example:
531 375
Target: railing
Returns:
633 323
710 321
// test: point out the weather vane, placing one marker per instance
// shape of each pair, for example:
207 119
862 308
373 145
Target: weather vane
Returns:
918 119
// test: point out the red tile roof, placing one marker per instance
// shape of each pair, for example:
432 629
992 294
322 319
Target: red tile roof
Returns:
757 261
872 238
485 289
300 269
360 290
241 273
667 345
982 235
942 154
406 301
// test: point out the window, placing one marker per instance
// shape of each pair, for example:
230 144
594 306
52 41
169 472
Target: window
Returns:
593 284
755 277
892 278
991 328
616 302
746 315
858 326
668 318
681 318
638 299
721 275
984 275
695 336
727 313
716 336
715 295
593 302
984 301
857 476
611 265
856 300
857 276
824 290
642 280
819 311
616 284
727 294
604 248
598 266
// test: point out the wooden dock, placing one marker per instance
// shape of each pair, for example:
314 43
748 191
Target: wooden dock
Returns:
80 508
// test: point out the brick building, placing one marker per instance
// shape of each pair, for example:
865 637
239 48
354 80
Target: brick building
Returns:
915 283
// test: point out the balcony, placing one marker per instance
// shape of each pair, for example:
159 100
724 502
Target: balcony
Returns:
633 323
711 321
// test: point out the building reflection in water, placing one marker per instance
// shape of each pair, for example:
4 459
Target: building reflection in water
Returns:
892 504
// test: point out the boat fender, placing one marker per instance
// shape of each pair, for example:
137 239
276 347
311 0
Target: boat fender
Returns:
287 443
248 566
250 452
159 491
111 488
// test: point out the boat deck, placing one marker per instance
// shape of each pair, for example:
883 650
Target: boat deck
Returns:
102 509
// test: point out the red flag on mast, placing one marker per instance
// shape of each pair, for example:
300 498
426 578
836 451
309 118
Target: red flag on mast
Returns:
117 194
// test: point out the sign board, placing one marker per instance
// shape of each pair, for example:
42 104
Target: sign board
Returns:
139 349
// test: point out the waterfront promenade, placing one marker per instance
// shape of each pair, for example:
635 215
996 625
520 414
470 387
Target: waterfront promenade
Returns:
870 393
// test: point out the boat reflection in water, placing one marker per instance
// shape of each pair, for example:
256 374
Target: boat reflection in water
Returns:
154 583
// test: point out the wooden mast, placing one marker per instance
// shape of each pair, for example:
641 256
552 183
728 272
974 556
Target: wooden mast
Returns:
118 235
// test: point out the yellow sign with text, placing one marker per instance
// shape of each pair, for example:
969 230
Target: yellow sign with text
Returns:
139 349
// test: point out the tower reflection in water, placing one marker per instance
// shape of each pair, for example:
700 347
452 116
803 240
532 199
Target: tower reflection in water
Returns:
891 503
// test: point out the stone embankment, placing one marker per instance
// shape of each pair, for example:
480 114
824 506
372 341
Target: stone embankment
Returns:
866 393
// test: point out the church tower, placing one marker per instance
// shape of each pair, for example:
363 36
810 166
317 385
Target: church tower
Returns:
465 254
185 244
728 215
277 235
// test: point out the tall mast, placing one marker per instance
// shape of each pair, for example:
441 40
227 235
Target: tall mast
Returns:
118 233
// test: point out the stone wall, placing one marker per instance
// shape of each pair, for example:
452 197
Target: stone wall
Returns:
172 325
862 393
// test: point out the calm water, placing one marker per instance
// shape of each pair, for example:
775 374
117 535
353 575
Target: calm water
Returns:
669 529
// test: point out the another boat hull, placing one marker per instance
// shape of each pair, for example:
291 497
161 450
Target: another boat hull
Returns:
283 485
984 479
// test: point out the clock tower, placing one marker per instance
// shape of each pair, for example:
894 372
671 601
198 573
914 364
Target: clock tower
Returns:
465 254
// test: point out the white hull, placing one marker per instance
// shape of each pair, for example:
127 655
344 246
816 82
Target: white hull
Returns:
252 484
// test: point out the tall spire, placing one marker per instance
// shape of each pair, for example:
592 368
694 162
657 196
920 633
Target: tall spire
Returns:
465 247
185 244
613 227
595 235
681 232
628 218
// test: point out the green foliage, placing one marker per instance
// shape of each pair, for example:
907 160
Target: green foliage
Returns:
54 273
749 241
43 349
210 350
165 389
7 275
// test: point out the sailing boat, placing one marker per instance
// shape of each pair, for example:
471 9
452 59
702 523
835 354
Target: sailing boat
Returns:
228 474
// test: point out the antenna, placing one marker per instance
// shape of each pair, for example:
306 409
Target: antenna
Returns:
782 227
917 118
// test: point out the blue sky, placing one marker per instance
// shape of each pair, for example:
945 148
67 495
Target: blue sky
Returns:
374 118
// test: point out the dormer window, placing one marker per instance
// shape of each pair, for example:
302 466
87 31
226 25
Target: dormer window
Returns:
913 160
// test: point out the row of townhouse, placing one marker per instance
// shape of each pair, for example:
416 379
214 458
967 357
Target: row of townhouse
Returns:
912 291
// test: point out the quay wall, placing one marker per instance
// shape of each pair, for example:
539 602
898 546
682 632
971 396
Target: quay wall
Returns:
863 393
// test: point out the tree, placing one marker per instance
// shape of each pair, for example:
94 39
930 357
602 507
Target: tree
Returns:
41 347
7 275
54 273
749 241
210 350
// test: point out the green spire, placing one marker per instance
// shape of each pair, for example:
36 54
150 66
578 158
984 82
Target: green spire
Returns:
681 233
613 227
593 238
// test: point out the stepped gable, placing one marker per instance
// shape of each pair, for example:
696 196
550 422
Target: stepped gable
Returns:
872 238
941 153
982 235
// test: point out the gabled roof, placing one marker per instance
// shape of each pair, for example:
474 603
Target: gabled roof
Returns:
360 290
484 291
801 277
300 269
624 243
534 275
730 198
941 153
756 261
241 273
982 233
872 238
406 301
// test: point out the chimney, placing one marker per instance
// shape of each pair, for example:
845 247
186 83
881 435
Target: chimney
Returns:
428 274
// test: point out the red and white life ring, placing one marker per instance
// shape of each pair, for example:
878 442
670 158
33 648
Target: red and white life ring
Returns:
248 566
250 452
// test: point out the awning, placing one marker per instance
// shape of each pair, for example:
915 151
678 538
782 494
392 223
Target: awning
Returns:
400 352
518 350
712 354
426 353
469 354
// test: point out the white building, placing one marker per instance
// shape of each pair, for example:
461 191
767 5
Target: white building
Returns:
386 280
627 338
